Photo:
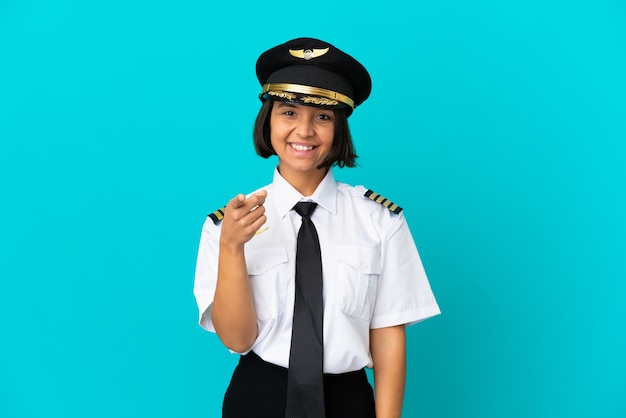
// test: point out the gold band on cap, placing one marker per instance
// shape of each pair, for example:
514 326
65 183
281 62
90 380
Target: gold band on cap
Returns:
315 91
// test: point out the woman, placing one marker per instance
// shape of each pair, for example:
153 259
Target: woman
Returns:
311 280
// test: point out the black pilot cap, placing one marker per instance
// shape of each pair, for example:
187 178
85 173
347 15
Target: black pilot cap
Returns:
313 72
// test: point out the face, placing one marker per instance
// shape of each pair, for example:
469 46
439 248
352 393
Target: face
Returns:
302 137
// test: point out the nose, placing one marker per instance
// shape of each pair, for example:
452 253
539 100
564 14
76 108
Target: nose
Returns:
305 128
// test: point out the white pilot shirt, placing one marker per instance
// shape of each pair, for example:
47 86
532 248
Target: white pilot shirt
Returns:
372 273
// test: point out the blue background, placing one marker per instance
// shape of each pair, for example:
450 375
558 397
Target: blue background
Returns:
499 126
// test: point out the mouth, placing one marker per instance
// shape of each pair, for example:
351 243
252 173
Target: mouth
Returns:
299 147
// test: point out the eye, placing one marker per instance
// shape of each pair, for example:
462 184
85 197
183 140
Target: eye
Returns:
289 113
325 116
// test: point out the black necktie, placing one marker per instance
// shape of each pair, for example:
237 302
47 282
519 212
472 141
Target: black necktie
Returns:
305 388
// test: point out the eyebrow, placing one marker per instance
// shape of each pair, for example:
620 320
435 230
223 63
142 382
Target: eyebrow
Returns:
295 106
286 104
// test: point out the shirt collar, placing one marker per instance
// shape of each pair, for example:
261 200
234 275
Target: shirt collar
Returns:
286 196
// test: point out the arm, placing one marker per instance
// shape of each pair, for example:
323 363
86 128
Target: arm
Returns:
388 347
233 311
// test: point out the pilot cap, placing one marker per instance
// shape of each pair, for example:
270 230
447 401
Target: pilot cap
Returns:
313 72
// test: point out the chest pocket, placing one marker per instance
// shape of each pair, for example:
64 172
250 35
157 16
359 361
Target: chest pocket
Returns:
268 274
358 269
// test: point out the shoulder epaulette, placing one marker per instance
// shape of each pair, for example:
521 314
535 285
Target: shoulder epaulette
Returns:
383 201
217 216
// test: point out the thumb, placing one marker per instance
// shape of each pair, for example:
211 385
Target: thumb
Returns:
237 201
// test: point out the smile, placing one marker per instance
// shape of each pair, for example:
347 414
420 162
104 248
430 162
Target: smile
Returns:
301 147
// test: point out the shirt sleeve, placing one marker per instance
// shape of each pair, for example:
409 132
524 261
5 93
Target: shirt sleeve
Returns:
206 273
404 295
206 278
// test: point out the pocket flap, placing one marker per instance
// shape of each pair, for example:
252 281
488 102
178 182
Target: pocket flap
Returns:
364 259
259 260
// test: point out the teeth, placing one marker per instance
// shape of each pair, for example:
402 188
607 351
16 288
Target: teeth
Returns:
301 147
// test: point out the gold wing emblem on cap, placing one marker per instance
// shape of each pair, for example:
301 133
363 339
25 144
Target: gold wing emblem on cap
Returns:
308 54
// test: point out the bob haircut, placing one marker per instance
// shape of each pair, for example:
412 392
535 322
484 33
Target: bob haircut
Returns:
341 154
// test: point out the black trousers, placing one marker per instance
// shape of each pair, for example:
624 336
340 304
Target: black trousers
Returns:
258 389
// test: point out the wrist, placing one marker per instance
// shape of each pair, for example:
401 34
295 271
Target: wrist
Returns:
231 248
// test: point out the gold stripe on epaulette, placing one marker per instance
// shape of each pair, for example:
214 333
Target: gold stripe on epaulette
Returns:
383 201
217 216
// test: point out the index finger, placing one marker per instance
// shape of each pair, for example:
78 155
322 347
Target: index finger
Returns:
259 197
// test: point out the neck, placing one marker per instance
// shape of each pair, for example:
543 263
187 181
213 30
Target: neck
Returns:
305 183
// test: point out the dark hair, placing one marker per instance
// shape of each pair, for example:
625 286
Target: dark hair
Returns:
342 152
